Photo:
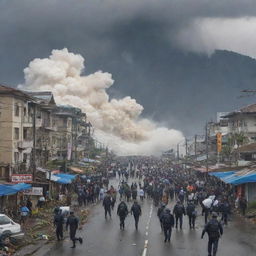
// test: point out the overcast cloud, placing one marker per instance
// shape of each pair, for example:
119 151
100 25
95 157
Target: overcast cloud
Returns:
128 38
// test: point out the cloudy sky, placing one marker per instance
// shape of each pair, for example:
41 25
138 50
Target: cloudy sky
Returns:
121 36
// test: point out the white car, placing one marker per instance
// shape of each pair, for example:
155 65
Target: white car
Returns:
8 227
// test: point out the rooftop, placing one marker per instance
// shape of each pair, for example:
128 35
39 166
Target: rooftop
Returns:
250 109
247 148
6 90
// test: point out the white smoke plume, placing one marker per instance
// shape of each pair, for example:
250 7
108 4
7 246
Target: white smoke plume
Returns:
117 122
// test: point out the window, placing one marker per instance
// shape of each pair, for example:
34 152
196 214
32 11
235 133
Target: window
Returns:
17 110
38 114
4 220
25 157
16 157
25 111
16 133
26 134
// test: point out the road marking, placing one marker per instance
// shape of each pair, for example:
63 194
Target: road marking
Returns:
145 248
144 253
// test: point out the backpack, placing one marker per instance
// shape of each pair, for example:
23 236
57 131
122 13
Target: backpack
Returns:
167 220
190 209
194 213
136 209
213 229
122 209
179 210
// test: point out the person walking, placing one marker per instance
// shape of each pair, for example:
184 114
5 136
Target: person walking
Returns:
167 221
122 212
225 211
72 223
134 193
24 212
243 205
179 211
160 212
141 192
214 230
107 205
191 212
58 224
136 212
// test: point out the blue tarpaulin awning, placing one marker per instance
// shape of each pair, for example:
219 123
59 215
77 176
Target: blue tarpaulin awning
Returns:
221 174
6 190
243 179
63 178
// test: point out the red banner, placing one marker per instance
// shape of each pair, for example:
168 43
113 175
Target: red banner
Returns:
22 178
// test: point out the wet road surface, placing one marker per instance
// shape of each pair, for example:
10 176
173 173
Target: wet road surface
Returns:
104 237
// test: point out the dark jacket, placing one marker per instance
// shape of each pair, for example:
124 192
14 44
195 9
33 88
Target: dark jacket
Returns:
122 210
190 209
72 222
160 212
136 210
58 220
213 228
179 210
167 220
107 201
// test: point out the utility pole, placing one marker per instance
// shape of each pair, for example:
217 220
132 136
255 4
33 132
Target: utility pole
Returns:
195 145
207 149
33 162
178 152
186 144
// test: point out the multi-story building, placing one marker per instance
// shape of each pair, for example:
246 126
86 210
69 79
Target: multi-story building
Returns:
72 133
44 124
32 127
243 121
15 113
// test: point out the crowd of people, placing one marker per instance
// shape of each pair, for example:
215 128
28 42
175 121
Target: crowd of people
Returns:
192 194
195 194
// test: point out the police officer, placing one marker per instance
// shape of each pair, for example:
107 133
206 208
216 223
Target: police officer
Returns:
214 230
72 222
136 212
191 212
179 211
107 205
160 212
58 224
167 221
225 211
122 212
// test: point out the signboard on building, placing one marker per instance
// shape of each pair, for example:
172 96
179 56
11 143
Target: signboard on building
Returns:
69 152
219 142
22 178
34 191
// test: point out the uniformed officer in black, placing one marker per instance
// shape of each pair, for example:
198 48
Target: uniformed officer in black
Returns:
58 223
167 220
136 212
214 230
72 222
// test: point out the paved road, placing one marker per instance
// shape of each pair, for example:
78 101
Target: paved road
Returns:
103 237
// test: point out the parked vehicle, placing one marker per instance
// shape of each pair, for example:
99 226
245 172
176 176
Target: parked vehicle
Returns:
9 228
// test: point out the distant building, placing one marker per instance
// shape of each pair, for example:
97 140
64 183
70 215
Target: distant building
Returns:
243 121
32 121
15 129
